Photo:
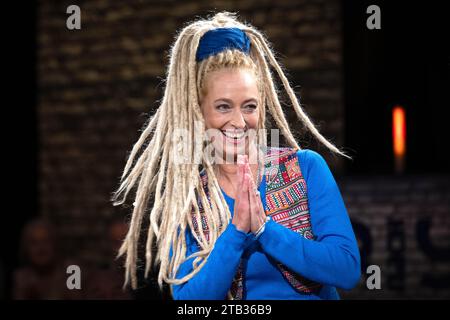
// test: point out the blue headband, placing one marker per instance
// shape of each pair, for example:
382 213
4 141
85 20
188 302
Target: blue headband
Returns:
217 40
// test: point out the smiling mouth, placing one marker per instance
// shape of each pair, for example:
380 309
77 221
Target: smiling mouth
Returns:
234 135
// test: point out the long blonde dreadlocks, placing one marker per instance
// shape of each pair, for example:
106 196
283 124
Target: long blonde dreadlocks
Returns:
177 188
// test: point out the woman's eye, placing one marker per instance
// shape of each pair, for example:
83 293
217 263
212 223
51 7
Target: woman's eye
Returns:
223 107
250 107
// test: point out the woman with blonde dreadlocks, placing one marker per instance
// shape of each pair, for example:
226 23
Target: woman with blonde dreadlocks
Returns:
231 217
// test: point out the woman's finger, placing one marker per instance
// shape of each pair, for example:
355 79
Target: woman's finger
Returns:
256 209
240 163
242 217
253 189
252 183
257 212
242 198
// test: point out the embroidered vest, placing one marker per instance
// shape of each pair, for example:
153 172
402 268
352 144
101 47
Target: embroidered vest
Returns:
286 204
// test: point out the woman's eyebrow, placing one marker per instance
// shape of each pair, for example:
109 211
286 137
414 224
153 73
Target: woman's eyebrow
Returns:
231 101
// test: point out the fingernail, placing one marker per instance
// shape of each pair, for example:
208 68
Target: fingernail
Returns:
240 159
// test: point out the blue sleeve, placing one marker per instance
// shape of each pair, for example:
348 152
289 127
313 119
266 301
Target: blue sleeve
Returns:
214 279
333 258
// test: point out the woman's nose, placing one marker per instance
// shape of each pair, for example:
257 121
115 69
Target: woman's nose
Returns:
238 120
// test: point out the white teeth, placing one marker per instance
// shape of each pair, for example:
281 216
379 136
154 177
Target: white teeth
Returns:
234 135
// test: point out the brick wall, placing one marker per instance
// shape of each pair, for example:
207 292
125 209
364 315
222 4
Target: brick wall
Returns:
403 226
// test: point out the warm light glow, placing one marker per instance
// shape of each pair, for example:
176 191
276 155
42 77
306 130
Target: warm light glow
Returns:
399 131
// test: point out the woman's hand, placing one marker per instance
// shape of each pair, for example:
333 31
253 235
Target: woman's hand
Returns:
241 217
249 213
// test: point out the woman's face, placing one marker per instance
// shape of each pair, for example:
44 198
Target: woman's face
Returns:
230 106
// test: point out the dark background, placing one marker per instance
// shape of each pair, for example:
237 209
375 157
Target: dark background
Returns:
404 63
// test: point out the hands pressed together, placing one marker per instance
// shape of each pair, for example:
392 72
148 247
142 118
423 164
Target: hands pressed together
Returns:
249 213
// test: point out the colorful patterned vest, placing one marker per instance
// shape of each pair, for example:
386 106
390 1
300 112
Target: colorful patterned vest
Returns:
286 204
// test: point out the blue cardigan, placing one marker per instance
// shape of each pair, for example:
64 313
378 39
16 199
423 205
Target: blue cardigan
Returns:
332 259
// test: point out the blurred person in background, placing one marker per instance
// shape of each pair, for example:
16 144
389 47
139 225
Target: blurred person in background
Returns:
107 282
41 275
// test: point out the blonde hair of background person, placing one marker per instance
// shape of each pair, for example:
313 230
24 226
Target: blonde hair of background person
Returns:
175 187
